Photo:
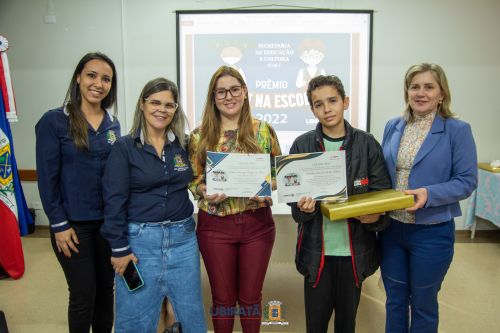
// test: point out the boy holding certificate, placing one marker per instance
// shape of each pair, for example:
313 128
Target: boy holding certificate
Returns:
335 257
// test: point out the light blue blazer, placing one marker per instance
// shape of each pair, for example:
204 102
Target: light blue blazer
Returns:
446 165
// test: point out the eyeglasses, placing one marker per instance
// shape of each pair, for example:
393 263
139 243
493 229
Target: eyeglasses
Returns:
235 91
170 107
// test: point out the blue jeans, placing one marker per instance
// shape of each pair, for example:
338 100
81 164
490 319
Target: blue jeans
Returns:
415 259
169 263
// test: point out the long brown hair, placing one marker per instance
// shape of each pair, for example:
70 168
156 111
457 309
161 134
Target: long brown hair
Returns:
210 129
437 72
178 123
73 101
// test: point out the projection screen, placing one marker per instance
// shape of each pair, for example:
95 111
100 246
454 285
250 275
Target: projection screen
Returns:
277 53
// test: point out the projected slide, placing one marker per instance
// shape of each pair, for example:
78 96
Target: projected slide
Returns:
277 53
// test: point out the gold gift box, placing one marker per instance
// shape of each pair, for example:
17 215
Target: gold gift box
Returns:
488 167
367 203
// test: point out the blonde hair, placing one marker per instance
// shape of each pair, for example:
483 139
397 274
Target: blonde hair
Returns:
440 77
210 128
179 121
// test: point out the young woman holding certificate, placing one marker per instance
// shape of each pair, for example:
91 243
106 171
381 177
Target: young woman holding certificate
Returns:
431 155
336 256
235 235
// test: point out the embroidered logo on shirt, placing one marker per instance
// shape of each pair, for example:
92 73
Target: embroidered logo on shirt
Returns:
111 136
179 163
361 182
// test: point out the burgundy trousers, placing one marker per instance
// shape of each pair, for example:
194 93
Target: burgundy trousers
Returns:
236 251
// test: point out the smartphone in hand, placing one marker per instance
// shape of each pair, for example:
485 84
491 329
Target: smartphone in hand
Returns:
132 277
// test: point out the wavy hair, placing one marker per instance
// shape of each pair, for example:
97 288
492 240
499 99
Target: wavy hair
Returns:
210 129
179 121
437 72
73 101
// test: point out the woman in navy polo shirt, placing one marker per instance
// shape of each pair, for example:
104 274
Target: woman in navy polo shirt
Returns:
148 215
72 145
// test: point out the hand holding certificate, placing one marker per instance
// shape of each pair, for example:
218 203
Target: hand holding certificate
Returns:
321 176
238 175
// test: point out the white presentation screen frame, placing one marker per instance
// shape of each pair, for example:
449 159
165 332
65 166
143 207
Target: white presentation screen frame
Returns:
277 52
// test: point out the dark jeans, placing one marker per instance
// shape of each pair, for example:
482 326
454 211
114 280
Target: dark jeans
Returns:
337 291
90 279
236 251
415 259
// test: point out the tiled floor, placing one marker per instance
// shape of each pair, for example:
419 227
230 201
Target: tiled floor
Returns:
469 300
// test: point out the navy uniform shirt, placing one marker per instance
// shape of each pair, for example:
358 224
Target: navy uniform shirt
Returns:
139 186
70 180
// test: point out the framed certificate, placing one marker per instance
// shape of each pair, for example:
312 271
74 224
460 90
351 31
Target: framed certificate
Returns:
238 175
321 176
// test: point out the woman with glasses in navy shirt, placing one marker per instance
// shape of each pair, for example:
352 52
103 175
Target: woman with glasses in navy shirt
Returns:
148 216
72 145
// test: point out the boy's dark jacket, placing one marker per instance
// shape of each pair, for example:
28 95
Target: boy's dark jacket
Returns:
366 172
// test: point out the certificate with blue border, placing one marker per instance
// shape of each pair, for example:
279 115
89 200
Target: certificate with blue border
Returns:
321 176
238 175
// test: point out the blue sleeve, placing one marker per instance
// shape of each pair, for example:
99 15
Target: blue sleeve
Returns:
387 130
463 178
115 188
48 167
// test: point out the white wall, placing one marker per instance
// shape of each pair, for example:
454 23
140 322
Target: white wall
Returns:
140 37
